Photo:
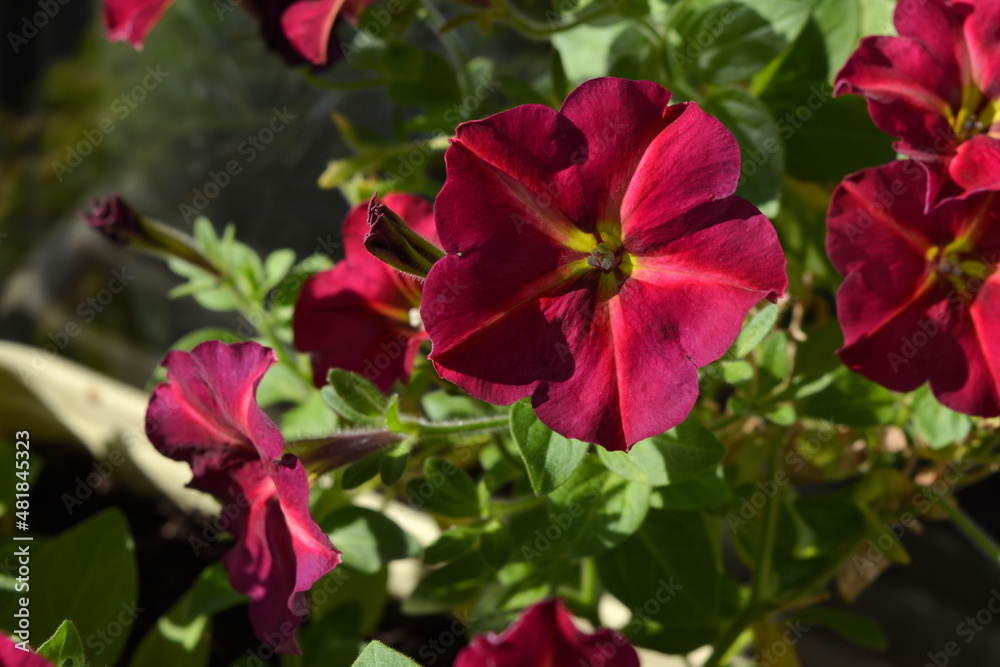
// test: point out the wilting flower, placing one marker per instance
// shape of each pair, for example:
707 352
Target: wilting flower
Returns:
544 636
596 258
300 30
363 315
207 415
937 88
920 299
11 656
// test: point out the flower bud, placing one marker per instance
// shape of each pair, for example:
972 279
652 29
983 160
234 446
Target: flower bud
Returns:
340 449
117 221
392 241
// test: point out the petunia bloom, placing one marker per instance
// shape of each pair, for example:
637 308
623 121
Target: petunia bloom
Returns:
920 299
300 30
937 87
544 636
12 656
207 415
597 257
363 315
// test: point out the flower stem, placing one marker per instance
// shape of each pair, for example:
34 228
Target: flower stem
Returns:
760 591
421 427
531 28
971 530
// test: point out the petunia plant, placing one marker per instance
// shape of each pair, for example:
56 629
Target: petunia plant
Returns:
653 327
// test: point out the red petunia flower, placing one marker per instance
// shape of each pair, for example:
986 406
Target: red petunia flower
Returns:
363 315
596 259
207 415
300 30
12 656
937 88
544 636
920 299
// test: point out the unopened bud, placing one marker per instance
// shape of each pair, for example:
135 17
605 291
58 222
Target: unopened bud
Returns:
393 241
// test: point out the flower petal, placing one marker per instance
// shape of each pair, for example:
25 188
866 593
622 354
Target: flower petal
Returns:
131 20
695 159
909 93
207 415
619 119
544 636
308 25
976 166
982 33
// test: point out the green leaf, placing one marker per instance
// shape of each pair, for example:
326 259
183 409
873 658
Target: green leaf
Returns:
853 401
496 543
367 539
394 462
309 419
755 330
454 542
596 509
378 654
706 489
87 575
182 636
449 585
445 489
683 451
549 458
64 648
736 372
355 398
762 151
669 570
772 361
358 473
730 42
938 425
276 267
584 50
863 631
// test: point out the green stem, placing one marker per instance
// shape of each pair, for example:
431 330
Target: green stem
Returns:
588 582
765 554
503 508
972 531
760 587
531 28
421 427
733 631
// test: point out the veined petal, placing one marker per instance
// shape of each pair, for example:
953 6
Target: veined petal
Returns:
131 20
695 159
619 119
938 24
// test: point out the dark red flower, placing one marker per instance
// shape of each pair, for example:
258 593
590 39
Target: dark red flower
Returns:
937 87
363 315
544 636
300 30
207 415
596 258
12 656
920 299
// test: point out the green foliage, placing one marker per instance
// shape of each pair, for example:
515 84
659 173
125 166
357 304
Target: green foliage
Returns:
549 458
64 648
377 654
86 575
